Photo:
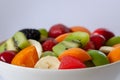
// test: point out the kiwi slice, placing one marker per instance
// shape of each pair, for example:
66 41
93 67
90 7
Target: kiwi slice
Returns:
10 45
3 47
43 34
64 45
20 40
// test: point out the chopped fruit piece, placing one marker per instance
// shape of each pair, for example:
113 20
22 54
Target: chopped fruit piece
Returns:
7 56
97 40
69 62
61 37
113 41
114 55
89 46
3 47
48 53
43 34
79 28
48 44
57 30
77 53
105 32
81 38
98 57
26 57
31 33
48 62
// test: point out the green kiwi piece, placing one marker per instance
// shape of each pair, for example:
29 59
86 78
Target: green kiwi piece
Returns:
64 45
81 38
10 45
2 47
20 40
48 53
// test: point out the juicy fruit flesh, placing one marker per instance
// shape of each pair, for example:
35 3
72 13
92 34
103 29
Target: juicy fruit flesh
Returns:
72 47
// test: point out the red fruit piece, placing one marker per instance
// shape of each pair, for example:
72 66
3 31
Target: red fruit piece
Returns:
48 44
7 56
97 40
89 46
105 32
57 30
69 62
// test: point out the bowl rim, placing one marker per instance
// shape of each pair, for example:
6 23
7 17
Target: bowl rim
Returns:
59 70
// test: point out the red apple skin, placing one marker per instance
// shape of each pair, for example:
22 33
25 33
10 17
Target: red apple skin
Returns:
105 32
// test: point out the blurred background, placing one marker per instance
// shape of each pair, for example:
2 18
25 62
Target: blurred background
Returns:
17 14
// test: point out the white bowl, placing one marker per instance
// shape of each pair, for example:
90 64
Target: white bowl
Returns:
17 14
106 72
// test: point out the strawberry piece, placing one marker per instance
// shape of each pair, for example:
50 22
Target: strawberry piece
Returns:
57 30
98 40
48 44
69 62
105 32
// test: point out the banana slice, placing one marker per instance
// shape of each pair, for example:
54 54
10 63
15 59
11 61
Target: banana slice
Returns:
48 62
37 45
106 49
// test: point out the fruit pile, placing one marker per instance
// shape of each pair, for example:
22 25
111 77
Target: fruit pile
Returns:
61 47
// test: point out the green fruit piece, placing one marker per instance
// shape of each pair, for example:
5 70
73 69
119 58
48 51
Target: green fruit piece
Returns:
64 45
98 57
81 38
112 41
20 40
3 47
43 34
48 53
89 63
10 45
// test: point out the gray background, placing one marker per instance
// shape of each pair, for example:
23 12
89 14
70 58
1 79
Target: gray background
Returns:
17 14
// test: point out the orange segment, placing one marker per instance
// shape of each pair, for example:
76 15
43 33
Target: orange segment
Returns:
79 28
77 53
114 55
61 37
26 57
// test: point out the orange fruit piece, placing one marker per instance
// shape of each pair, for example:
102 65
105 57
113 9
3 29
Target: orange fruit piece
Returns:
79 28
114 55
61 37
26 57
77 53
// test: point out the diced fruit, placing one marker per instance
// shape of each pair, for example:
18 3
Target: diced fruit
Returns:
31 33
48 53
61 37
112 41
48 44
43 34
97 40
37 45
69 62
20 40
89 46
81 38
10 45
80 28
98 57
7 56
114 55
26 57
3 47
105 32
77 53
48 62
57 30
89 63
106 49
64 45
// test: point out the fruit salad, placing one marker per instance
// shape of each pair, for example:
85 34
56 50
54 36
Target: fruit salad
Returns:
61 47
